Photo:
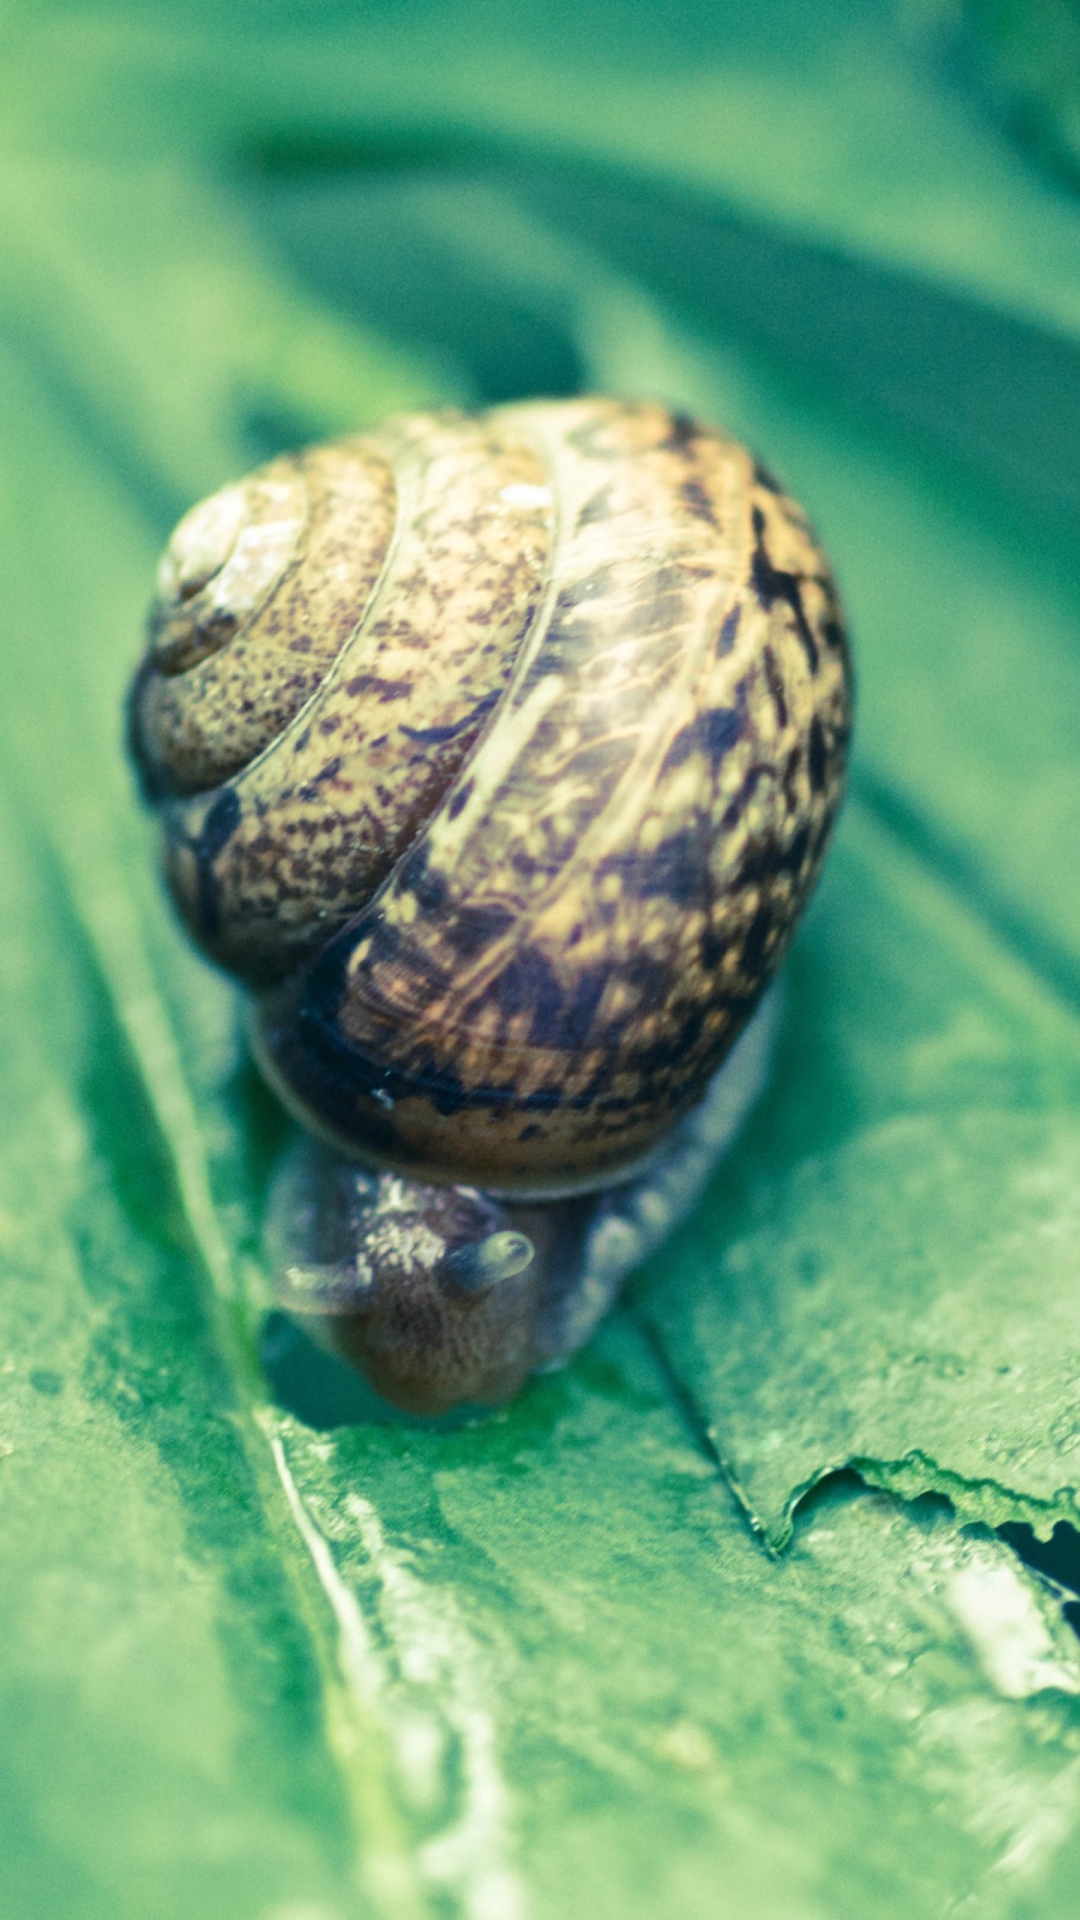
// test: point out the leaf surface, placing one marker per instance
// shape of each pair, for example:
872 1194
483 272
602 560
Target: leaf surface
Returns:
266 1655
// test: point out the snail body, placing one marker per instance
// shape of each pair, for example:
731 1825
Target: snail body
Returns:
497 756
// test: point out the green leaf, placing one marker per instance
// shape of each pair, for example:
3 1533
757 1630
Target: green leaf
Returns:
1029 59
263 1657
893 1287
645 1707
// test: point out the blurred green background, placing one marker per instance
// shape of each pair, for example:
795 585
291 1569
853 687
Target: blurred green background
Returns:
765 1607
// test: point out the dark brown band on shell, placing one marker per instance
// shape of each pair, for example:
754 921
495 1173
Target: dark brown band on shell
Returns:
516 871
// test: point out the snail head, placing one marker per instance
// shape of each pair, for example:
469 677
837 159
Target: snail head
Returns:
430 1290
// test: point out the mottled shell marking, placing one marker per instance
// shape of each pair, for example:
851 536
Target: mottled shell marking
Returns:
518 846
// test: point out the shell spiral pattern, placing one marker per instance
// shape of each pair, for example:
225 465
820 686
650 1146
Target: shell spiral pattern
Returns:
497 755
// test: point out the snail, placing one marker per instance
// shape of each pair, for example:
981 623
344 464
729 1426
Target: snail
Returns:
496 754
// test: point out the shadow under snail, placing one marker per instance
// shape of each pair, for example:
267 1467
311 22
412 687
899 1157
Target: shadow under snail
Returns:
496 754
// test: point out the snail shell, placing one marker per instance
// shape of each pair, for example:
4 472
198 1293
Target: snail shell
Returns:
497 755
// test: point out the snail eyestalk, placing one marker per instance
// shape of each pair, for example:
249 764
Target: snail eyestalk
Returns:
484 1263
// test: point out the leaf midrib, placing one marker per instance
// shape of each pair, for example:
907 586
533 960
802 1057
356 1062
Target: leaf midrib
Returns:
355 1736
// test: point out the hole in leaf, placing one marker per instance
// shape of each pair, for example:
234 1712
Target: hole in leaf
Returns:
1058 1558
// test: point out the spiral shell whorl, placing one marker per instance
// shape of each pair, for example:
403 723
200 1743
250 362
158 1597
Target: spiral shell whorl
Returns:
526 828
241 636
358 681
